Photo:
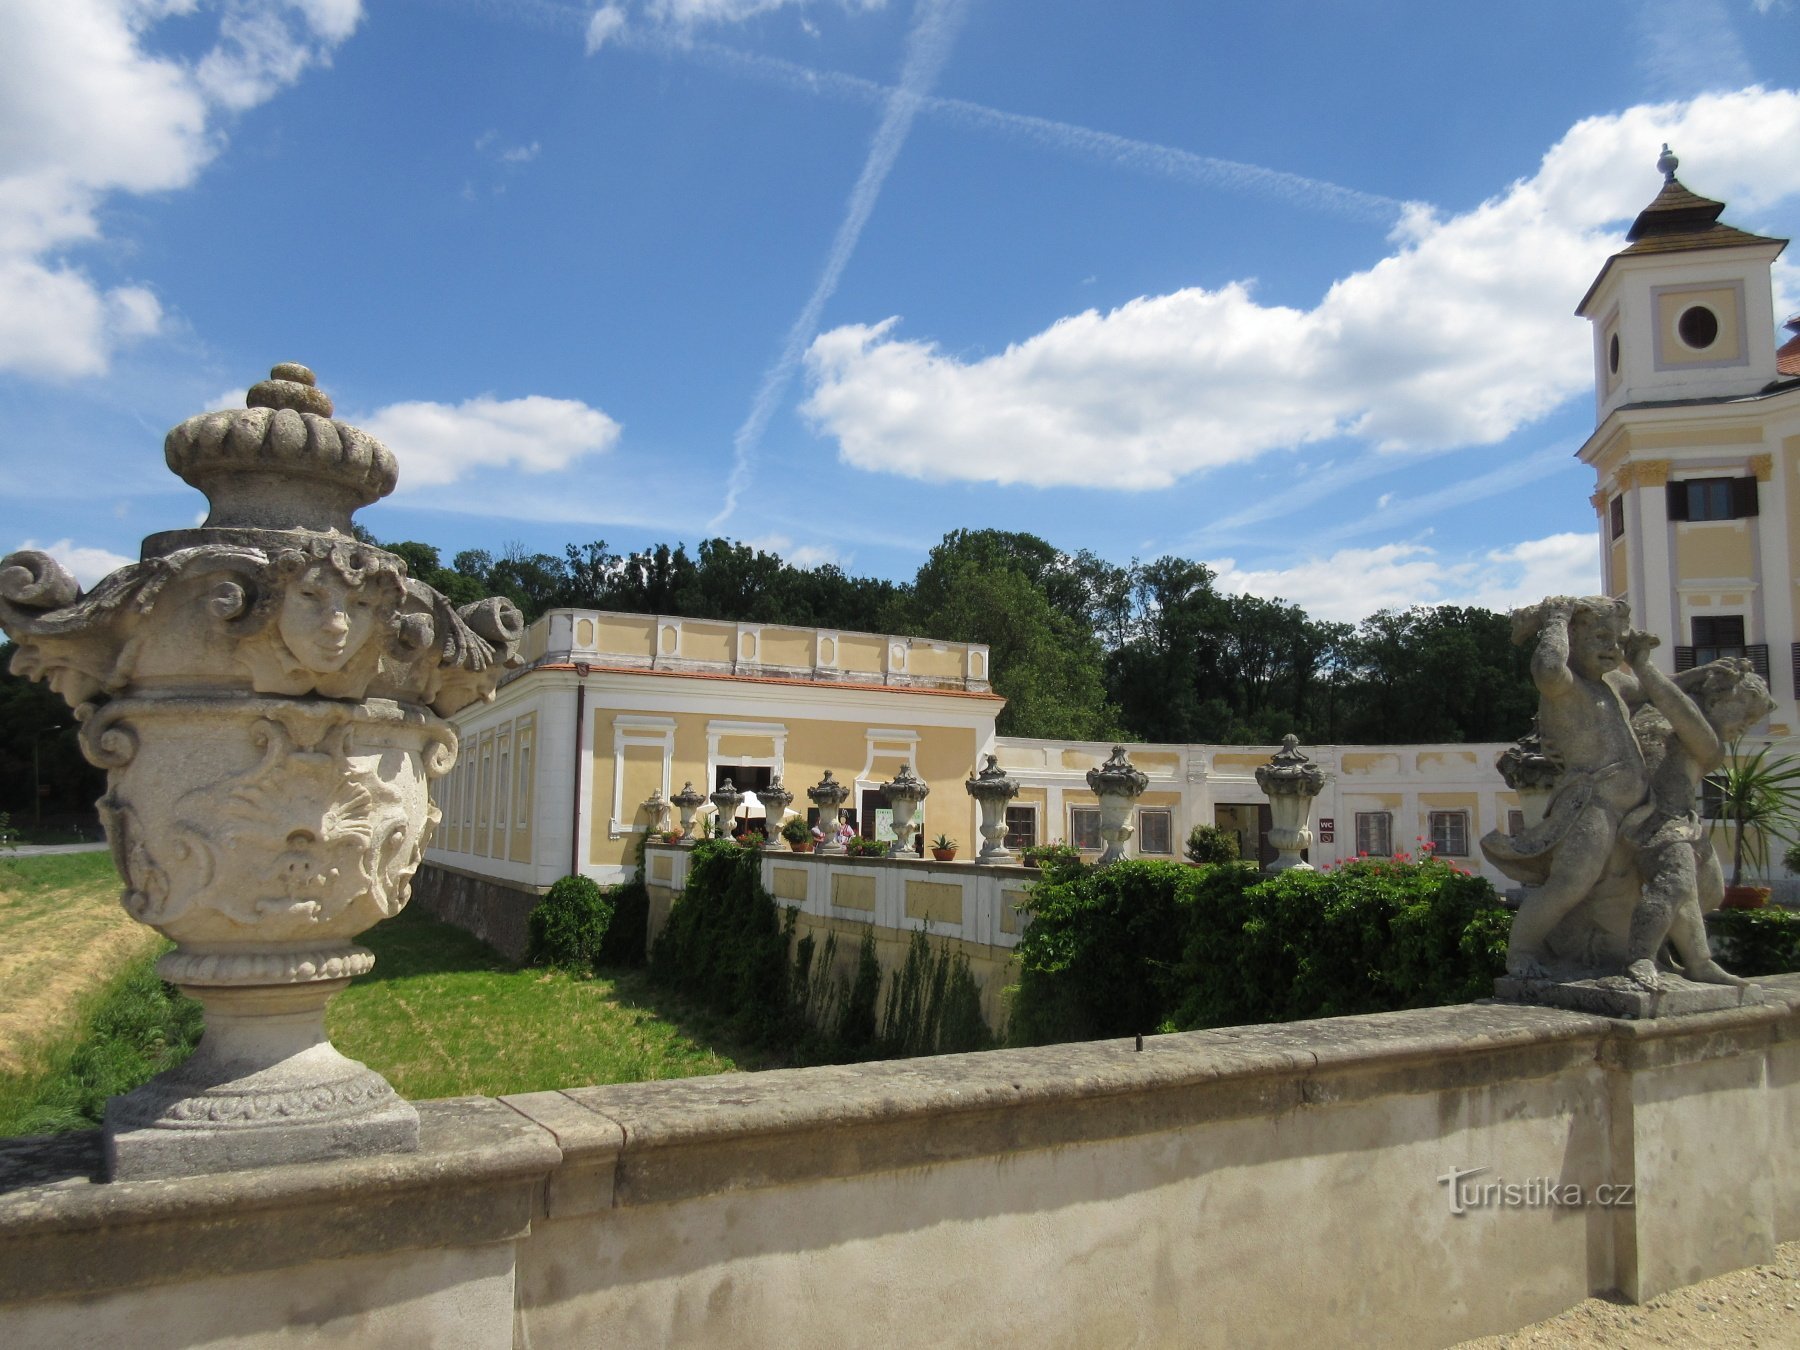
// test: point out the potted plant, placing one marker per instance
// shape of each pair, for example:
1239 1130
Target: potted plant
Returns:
943 848
799 838
671 836
1759 798
858 847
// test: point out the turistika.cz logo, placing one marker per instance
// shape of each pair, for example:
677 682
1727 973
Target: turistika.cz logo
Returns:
1467 1194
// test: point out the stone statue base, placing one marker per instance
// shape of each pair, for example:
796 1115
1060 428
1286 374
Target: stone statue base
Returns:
263 1087
1617 996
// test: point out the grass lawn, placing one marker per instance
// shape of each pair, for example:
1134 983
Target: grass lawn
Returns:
440 1015
444 1015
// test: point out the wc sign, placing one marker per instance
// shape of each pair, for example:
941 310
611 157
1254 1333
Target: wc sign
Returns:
1327 829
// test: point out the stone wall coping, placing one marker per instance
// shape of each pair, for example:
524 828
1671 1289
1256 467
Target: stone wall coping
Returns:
472 1180
487 1168
960 866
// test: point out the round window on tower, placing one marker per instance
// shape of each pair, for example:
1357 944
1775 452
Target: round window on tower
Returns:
1698 327
1612 354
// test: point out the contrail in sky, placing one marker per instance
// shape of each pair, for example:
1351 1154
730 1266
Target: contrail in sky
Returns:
935 23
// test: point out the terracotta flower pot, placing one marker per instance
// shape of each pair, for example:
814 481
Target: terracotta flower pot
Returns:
944 854
805 847
1746 897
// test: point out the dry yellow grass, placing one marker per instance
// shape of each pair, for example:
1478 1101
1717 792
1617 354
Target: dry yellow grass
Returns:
62 936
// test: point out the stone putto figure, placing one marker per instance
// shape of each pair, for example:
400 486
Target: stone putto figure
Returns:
1620 862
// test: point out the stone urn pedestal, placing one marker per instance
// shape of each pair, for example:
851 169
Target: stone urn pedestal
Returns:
267 696
992 790
904 794
725 799
829 796
1290 781
687 802
1118 784
776 800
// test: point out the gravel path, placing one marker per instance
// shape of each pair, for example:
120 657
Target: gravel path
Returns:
1756 1307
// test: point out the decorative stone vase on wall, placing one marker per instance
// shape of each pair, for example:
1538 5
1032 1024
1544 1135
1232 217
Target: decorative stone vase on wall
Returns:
904 794
1290 781
992 790
687 801
658 810
267 697
1118 785
776 800
1530 773
725 799
829 796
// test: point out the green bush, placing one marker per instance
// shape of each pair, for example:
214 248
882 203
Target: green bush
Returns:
1207 844
1144 946
568 926
1756 941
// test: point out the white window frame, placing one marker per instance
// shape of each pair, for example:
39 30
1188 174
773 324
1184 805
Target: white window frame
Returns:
1168 814
1099 843
1458 815
638 729
1367 823
1024 806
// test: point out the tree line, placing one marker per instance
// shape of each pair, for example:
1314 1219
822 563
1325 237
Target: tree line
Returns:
1082 648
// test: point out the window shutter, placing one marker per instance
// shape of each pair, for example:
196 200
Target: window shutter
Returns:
1743 496
1684 658
1677 500
1758 652
1795 655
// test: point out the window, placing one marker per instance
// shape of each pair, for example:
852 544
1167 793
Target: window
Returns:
1712 498
1612 354
1084 828
1717 635
1375 833
1698 327
1617 514
1021 826
1450 834
1712 798
1156 832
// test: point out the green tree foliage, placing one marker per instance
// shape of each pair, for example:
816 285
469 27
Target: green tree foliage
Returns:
1443 673
1035 609
32 717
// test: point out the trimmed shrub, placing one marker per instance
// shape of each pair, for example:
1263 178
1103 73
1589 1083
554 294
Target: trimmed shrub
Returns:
1146 946
1755 941
568 926
629 930
1208 844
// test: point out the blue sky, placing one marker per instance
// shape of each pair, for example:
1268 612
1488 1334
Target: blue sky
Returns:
1287 288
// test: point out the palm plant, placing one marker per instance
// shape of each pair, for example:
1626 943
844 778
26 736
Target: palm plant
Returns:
1759 799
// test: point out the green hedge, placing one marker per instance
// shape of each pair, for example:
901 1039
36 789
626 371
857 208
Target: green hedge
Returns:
1148 946
1755 941
568 926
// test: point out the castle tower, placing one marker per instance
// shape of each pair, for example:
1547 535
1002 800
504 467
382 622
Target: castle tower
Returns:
1697 440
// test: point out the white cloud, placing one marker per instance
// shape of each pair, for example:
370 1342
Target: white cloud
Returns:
438 443
86 111
798 555
1354 583
88 564
615 19
1459 337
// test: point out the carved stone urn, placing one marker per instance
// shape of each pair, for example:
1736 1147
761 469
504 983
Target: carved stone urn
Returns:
1530 773
725 799
687 801
1290 781
992 790
775 800
267 697
1118 784
904 794
658 810
829 796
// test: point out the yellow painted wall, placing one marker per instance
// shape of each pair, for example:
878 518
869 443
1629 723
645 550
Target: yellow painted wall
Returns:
1713 549
790 883
524 785
623 636
935 662
1723 301
861 653
1157 763
1369 762
1227 759
708 641
786 647
849 891
937 901
746 747
1447 759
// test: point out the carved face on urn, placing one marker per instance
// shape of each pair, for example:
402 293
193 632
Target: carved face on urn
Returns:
325 620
